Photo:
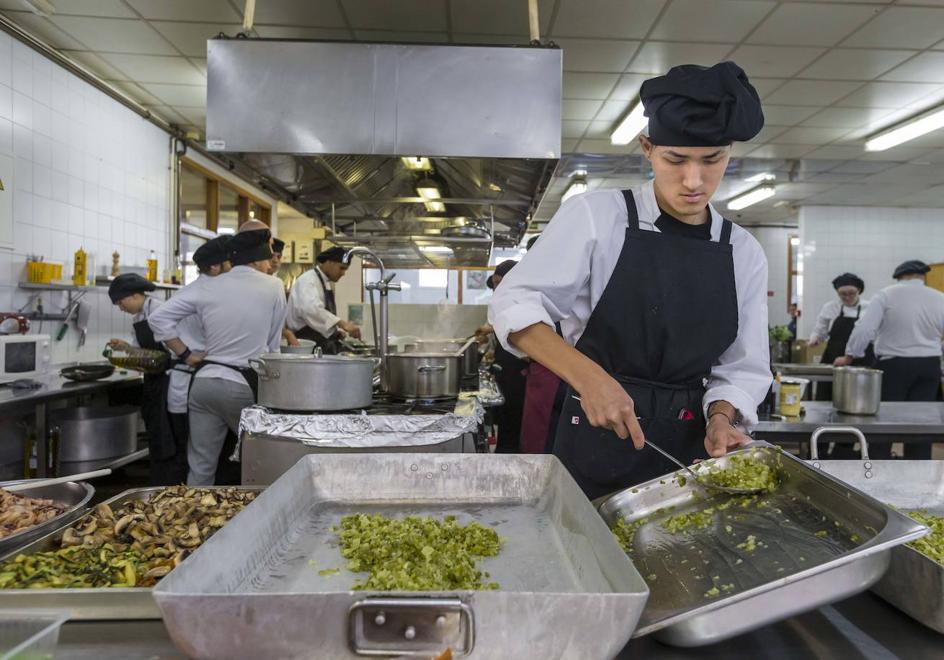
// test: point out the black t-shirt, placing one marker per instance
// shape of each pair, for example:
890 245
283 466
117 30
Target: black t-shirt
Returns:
669 225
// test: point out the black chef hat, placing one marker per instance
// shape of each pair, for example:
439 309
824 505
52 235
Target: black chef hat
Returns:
501 270
912 267
696 106
213 252
277 245
250 246
331 254
848 279
127 284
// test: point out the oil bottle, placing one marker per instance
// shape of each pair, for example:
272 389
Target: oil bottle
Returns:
80 268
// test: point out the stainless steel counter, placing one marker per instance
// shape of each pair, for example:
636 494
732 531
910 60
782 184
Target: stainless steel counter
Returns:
894 418
863 627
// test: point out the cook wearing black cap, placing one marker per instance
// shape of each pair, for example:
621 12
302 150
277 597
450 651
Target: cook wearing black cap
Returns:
906 322
312 309
835 322
501 270
213 257
166 427
662 302
242 314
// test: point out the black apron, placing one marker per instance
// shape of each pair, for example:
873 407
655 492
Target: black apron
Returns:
667 314
166 450
329 345
839 333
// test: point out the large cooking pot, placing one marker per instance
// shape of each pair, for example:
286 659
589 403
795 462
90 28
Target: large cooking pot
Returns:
470 356
92 433
424 375
306 382
857 390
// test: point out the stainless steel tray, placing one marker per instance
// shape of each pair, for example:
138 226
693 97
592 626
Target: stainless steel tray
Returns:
809 369
88 604
74 494
567 589
914 582
796 571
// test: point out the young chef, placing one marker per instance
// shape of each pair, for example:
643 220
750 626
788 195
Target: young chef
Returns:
242 314
278 245
312 311
662 302
906 321
838 317
165 421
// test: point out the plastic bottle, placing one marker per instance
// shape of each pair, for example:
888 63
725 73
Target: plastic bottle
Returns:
80 269
152 267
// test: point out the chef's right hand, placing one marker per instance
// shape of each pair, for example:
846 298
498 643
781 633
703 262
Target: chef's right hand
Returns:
118 344
351 329
195 358
815 341
608 406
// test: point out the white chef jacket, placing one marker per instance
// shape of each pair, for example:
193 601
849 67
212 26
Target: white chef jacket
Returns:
306 304
563 276
242 314
189 332
830 312
904 320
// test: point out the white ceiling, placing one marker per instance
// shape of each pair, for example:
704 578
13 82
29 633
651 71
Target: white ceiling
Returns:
830 72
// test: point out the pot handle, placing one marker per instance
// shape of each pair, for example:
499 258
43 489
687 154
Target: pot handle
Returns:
863 444
261 368
410 626
428 368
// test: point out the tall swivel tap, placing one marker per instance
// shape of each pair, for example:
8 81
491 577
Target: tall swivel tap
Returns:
381 330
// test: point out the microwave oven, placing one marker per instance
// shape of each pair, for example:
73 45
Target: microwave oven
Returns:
24 356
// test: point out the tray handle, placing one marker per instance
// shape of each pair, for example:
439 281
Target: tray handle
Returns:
420 627
851 430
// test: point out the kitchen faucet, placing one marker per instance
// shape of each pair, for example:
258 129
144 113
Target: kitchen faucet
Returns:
383 285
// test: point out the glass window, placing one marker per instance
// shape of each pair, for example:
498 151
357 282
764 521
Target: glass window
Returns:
188 245
229 210
421 286
193 197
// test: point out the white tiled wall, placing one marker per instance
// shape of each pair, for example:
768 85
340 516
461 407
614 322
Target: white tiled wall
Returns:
775 240
869 242
88 173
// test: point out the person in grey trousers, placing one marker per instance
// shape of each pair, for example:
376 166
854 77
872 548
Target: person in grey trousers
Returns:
242 313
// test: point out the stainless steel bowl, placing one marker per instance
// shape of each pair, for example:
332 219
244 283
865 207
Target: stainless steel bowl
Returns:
857 390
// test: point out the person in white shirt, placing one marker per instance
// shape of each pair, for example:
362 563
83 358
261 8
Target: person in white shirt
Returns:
906 322
312 310
164 420
242 314
662 302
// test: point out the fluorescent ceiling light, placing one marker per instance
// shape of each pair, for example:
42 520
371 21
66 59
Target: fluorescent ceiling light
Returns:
751 197
417 163
631 126
428 191
794 241
763 176
907 131
577 186
435 207
436 249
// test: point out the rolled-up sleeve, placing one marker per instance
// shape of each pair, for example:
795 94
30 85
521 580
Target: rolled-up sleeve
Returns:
165 320
543 287
742 375
825 318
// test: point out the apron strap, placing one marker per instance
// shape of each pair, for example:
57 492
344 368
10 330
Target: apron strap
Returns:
632 215
725 232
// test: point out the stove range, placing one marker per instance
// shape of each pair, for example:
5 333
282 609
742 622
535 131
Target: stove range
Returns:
385 405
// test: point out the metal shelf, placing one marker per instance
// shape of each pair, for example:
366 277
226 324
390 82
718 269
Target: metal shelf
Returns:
54 287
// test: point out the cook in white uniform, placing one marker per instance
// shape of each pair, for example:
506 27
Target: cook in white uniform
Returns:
906 322
312 310
838 316
242 314
662 302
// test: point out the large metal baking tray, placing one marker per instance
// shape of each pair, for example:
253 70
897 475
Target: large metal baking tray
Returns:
914 583
74 494
796 572
88 604
567 589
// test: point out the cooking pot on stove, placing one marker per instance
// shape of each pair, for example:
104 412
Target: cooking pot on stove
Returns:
470 351
424 375
290 381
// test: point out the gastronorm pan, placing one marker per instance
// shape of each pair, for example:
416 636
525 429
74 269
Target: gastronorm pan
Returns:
566 587
75 495
817 540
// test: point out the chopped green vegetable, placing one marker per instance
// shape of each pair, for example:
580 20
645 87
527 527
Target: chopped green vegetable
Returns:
75 567
625 532
329 571
749 544
743 472
931 545
416 554
714 592
822 533
684 522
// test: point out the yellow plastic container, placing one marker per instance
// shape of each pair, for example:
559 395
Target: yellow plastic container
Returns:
791 394
34 272
79 276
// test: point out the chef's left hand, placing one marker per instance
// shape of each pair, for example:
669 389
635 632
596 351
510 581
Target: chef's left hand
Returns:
195 358
843 361
721 437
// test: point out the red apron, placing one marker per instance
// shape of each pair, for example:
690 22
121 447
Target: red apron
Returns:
539 393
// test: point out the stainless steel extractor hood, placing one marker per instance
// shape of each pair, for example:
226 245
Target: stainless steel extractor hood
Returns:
340 125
